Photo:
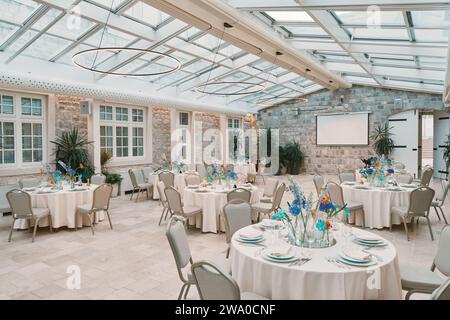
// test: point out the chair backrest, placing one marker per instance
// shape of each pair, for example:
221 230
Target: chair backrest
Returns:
20 203
239 194
139 176
102 195
426 176
442 292
132 178
270 186
347 176
318 183
404 178
214 284
441 197
29 182
160 187
442 258
237 214
168 178
336 193
174 200
420 201
98 179
278 196
192 179
4 204
176 234
146 171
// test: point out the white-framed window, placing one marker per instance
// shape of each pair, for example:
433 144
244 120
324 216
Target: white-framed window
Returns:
122 131
234 138
22 129
184 123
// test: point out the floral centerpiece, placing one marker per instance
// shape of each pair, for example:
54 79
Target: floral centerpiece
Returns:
71 174
166 164
377 170
216 172
179 166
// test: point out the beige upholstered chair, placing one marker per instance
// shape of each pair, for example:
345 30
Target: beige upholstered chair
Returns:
146 172
443 292
319 182
426 281
163 201
270 187
98 179
347 176
100 202
239 194
29 183
192 179
337 197
237 214
214 284
176 205
168 178
176 234
439 201
420 201
404 178
137 181
268 208
427 174
20 204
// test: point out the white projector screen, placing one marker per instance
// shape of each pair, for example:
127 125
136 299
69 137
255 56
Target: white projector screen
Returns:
342 129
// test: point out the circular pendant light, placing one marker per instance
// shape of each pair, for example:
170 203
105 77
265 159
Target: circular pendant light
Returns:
203 88
99 50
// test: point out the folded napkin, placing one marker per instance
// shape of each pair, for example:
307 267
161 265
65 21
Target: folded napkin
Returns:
356 254
367 236
250 233
281 250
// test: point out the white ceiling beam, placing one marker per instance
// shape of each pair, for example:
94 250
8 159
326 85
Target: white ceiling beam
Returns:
248 34
331 26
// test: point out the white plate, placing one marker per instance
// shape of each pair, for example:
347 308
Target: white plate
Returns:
372 261
250 241
362 187
370 244
289 255
268 258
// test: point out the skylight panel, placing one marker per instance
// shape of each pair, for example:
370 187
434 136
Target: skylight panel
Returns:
6 30
306 31
439 19
111 38
430 35
290 16
17 11
208 41
371 19
379 33
71 26
147 14
108 3
45 47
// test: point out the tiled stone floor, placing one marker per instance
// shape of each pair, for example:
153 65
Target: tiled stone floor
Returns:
134 260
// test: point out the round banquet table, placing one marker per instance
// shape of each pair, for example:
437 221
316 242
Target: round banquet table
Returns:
318 278
63 206
377 204
212 203
179 183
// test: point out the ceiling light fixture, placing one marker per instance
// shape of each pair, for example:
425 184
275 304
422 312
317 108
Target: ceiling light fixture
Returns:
115 50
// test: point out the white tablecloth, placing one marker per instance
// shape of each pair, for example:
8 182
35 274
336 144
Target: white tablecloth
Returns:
318 278
179 183
212 204
62 206
377 204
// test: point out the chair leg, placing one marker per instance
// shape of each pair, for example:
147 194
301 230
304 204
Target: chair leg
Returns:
443 215
109 219
34 230
162 215
406 227
132 193
182 291
187 291
228 253
91 224
138 193
11 231
408 294
429 227
437 213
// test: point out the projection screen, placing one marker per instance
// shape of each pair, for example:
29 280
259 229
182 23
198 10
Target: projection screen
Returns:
350 129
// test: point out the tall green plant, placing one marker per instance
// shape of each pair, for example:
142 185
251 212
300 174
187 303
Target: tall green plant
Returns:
105 156
382 141
72 149
291 157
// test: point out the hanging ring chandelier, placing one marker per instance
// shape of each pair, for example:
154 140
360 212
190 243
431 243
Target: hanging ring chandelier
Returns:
203 88
96 51
139 52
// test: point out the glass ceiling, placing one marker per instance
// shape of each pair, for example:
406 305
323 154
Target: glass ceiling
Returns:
397 48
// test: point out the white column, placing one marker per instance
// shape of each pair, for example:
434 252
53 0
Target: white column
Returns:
94 134
51 126
224 138
173 127
149 136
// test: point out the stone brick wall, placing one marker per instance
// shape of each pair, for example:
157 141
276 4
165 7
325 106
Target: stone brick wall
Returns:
68 115
161 133
302 126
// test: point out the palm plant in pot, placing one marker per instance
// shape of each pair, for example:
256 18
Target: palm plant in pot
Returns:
382 141
291 158
72 149
114 179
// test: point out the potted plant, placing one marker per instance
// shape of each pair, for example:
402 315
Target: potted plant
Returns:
72 149
382 141
115 180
